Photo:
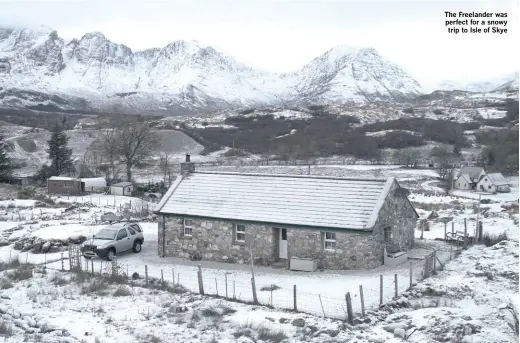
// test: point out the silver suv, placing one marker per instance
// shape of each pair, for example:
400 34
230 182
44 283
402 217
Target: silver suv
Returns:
114 239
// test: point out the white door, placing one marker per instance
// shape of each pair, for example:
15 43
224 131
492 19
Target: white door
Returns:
283 243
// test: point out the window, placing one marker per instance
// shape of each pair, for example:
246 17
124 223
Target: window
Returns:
132 231
67 185
240 233
489 187
388 234
329 241
121 234
188 227
136 227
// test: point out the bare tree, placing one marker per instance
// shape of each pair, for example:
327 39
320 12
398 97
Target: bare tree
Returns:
137 140
165 164
408 157
446 170
108 142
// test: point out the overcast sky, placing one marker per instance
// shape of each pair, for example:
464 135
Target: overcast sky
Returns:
283 35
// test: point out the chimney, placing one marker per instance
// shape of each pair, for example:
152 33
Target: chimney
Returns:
187 167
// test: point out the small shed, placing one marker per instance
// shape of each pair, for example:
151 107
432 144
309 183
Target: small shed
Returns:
94 184
493 182
64 185
122 188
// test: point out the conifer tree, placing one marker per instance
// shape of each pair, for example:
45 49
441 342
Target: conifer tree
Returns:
59 153
5 163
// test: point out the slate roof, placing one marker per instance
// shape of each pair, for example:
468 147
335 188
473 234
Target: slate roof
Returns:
497 179
473 172
308 201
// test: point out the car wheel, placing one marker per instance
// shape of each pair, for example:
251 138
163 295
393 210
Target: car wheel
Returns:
137 247
111 254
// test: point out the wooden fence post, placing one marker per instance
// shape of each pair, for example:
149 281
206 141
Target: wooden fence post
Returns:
380 290
201 285
162 276
146 274
234 297
445 233
350 316
434 258
294 299
62 263
253 285
362 300
321 303
92 265
411 279
173 276
480 231
396 288
425 267
465 242
225 277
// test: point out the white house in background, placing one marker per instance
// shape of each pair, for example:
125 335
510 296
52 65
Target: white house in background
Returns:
94 184
463 182
492 183
122 188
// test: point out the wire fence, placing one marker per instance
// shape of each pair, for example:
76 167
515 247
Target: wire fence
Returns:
371 293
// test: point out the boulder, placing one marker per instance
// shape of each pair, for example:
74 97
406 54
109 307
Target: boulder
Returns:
298 322
46 247
398 332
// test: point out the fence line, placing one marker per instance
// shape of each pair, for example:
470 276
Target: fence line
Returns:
288 297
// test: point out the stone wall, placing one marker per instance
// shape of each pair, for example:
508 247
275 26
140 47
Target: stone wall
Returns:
352 251
398 214
214 240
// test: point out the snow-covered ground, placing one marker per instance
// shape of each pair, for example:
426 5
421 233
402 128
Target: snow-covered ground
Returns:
465 295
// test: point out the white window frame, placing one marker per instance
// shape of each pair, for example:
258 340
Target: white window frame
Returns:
329 240
240 229
187 225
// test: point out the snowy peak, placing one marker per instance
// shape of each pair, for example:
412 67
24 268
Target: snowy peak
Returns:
187 74
355 74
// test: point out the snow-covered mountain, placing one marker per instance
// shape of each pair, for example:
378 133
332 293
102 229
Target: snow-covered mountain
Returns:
509 86
475 85
39 69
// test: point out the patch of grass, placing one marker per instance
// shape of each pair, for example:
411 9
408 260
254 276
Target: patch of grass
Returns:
24 272
490 240
94 286
122 291
271 334
5 329
59 280
454 205
5 284
151 339
9 265
211 311
270 288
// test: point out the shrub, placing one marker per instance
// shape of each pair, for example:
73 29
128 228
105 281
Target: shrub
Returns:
408 110
211 311
59 280
271 335
122 291
26 193
438 111
490 240
5 329
5 284
24 272
94 286
9 265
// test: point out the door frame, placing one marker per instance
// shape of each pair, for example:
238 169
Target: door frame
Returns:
280 240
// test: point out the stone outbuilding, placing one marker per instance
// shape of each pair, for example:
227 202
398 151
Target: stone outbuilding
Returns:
339 223
64 185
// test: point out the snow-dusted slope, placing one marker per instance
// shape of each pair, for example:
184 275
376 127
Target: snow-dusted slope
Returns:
183 75
473 84
508 86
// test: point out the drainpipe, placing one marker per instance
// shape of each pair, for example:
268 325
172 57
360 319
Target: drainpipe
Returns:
164 237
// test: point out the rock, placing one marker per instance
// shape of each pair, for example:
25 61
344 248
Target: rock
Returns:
298 322
36 247
312 328
270 319
53 249
390 327
400 333
376 340
135 276
46 328
332 332
4 243
283 320
65 333
46 247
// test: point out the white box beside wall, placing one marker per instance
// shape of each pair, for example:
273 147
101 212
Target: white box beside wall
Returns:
303 264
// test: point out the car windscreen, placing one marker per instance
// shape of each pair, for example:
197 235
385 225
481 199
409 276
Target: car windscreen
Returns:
105 234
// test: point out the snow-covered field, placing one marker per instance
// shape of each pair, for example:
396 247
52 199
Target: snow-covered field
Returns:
470 298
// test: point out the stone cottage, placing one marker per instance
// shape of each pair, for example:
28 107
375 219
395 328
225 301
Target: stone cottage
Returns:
229 217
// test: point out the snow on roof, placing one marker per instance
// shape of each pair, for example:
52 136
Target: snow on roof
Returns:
62 178
94 182
497 179
122 184
465 177
279 199
473 172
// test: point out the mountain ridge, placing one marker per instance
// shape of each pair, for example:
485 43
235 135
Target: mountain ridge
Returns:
184 75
